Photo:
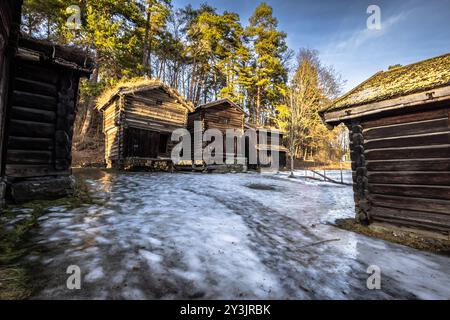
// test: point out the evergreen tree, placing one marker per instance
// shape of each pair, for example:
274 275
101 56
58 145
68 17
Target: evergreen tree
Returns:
269 74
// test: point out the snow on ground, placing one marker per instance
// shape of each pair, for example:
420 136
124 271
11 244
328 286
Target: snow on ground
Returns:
222 236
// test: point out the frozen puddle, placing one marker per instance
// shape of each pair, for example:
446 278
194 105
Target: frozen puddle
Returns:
236 236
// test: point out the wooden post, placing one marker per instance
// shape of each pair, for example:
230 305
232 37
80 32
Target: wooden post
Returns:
360 181
65 116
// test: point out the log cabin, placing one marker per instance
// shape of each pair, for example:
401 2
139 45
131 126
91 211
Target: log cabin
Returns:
399 123
10 13
221 115
38 94
138 120
39 117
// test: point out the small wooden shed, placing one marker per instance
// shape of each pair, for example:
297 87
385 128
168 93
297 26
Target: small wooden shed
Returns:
399 123
222 115
38 120
10 13
138 120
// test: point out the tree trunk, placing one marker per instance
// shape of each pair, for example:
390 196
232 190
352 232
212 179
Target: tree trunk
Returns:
87 123
292 165
258 106
145 49
192 82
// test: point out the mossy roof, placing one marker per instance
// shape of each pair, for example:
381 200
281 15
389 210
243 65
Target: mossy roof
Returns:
220 102
137 85
396 82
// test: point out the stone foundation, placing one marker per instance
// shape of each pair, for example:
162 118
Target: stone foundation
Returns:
135 164
42 188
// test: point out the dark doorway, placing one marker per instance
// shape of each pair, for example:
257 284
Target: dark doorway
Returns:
142 143
163 142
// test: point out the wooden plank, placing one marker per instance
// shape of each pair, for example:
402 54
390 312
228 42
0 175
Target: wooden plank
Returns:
409 165
29 143
410 203
426 152
428 218
167 106
160 117
409 141
36 72
21 128
30 170
414 128
31 100
151 125
411 225
405 118
32 114
37 87
408 177
28 157
420 191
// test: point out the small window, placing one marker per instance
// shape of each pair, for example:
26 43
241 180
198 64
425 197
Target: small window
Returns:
159 102
163 140
225 120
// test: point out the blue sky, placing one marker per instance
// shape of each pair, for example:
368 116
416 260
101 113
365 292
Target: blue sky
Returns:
412 30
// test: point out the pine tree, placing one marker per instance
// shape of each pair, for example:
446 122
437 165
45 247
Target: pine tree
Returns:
268 66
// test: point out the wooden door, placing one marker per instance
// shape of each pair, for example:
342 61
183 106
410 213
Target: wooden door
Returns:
141 143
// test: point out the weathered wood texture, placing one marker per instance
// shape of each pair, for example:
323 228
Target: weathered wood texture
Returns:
40 120
139 125
221 117
10 11
401 166
360 180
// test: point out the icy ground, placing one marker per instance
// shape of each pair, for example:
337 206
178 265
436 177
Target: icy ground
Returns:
217 236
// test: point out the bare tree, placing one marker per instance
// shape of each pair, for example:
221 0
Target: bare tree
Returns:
312 87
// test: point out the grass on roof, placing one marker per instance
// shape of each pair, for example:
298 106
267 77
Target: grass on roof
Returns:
128 84
396 82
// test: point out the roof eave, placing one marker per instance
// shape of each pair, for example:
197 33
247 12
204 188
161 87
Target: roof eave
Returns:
335 117
218 102
125 91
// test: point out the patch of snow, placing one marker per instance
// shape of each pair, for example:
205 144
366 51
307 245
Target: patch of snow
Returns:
185 236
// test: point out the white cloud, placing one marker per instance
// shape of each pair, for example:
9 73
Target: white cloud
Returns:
360 37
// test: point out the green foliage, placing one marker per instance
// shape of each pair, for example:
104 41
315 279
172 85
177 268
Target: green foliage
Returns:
266 76
202 53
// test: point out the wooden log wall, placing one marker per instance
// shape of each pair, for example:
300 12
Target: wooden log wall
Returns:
152 110
223 117
10 12
40 120
111 125
402 166
360 180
